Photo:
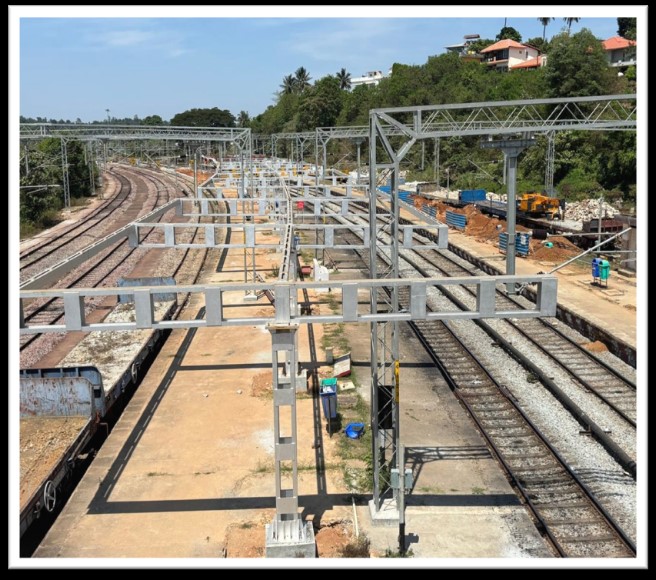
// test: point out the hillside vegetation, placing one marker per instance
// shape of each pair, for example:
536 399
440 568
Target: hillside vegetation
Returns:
587 164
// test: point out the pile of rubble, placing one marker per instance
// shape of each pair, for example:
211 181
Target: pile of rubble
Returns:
588 209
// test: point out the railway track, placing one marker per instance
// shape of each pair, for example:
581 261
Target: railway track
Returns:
565 509
94 274
73 237
568 513
616 391
603 381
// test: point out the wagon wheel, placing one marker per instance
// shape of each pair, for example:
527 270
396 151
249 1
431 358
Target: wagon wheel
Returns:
134 372
49 495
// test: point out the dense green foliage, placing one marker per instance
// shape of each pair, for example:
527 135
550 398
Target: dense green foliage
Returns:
577 66
586 164
214 117
626 27
41 180
509 32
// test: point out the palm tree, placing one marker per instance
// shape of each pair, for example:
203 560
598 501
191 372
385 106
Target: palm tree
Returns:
544 22
302 78
288 85
344 79
243 119
569 22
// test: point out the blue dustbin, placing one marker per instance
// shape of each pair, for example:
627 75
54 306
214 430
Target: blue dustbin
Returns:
596 262
328 392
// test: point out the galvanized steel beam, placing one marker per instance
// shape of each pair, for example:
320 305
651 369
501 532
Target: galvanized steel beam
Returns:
217 309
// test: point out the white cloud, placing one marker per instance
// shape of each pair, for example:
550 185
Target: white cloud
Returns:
126 37
175 52
146 37
357 39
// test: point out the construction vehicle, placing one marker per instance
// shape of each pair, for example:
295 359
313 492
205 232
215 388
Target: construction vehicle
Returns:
538 204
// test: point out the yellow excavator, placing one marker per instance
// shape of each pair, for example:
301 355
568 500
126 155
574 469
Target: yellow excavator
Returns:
537 204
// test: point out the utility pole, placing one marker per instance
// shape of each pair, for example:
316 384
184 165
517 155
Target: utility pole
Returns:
109 120
600 217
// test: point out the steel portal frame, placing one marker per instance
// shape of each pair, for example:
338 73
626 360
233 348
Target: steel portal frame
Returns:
241 137
504 118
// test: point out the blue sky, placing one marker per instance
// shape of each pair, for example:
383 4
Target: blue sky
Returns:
79 67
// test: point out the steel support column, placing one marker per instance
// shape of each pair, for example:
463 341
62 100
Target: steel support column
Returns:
65 181
358 143
288 532
549 169
511 149
384 335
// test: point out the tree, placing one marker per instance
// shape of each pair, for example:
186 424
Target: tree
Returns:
78 169
243 119
509 32
626 28
37 198
302 78
569 22
344 79
320 105
479 45
577 66
214 117
539 43
288 85
545 23
153 120
42 179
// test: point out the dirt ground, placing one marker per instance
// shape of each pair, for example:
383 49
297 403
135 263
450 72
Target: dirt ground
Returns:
485 228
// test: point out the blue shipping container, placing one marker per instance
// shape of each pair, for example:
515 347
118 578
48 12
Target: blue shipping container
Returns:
472 195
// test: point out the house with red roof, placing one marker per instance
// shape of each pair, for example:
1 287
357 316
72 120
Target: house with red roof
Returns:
508 54
620 52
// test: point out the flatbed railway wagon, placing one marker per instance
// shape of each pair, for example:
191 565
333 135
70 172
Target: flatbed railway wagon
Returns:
62 409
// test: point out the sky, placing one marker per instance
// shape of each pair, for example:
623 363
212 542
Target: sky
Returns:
73 67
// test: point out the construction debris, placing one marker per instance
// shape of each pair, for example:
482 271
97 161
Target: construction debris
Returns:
588 209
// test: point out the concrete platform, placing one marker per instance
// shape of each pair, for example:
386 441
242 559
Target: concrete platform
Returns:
614 311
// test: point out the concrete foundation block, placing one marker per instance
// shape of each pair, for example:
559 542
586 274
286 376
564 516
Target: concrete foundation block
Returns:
290 542
387 515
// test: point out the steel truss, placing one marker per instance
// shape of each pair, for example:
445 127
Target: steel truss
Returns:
298 141
395 131
86 132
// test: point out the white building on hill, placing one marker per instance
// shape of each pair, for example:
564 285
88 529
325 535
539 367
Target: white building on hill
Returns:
370 78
